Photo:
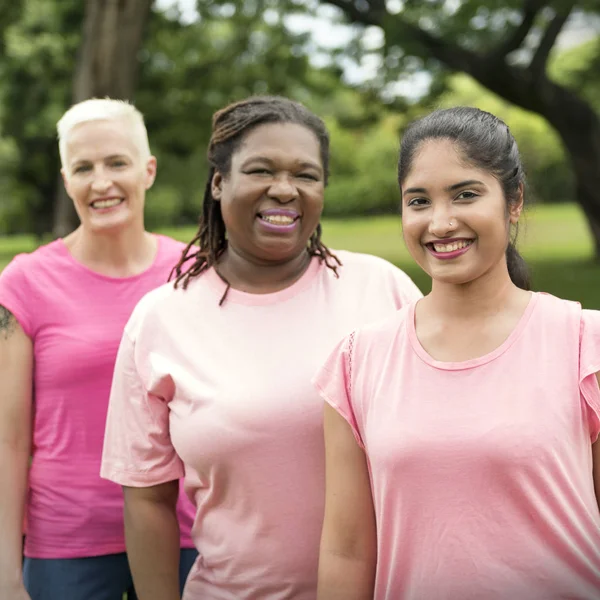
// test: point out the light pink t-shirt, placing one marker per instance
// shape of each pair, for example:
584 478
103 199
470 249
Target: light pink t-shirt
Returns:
224 392
76 318
481 471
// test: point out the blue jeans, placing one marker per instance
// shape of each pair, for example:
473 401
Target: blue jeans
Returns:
96 578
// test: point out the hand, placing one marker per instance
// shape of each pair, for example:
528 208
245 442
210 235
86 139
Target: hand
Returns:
14 591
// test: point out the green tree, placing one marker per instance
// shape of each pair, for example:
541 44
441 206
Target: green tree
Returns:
36 63
504 45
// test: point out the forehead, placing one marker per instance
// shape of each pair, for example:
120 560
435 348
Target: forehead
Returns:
439 162
96 139
280 141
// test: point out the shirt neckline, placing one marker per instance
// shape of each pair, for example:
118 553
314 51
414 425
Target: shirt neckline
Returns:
252 299
64 250
472 362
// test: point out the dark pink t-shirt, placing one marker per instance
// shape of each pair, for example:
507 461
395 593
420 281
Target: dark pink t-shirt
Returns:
76 318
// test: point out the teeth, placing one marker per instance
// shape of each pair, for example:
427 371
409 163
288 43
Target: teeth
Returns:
277 219
106 203
451 247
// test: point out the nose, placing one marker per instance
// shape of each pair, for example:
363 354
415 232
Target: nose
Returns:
442 222
283 189
100 181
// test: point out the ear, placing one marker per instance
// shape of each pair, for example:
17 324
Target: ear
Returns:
216 186
515 208
150 172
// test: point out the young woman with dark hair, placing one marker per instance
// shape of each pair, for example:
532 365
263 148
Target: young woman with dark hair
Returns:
461 453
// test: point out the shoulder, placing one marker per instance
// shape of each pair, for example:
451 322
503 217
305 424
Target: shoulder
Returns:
169 244
388 326
374 272
358 260
169 249
27 265
151 307
368 264
377 337
556 312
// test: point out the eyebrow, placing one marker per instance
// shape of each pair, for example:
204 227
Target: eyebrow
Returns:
303 164
86 160
450 188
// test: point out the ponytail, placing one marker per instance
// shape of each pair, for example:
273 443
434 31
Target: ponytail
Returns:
517 268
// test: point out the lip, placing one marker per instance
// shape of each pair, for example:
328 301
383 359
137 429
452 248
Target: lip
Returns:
107 208
279 212
448 255
272 228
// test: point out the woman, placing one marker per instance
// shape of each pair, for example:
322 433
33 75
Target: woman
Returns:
460 432
62 313
213 374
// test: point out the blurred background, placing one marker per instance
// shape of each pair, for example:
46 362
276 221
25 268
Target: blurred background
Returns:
368 67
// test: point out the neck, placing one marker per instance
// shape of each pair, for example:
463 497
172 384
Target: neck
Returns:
250 274
122 253
485 296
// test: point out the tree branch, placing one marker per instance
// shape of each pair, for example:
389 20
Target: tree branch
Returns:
537 66
531 8
369 16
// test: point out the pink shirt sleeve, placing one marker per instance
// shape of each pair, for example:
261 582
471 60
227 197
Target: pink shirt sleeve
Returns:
589 365
334 383
137 443
16 296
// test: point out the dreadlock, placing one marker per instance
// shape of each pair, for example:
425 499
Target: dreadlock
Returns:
229 126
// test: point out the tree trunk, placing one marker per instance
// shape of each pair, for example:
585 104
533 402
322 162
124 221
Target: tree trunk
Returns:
572 117
107 65
583 146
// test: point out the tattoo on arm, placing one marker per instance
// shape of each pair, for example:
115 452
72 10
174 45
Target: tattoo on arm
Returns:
8 324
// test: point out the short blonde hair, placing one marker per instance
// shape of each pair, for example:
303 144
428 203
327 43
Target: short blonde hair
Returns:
102 109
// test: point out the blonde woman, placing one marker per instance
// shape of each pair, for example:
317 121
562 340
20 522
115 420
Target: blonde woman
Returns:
62 313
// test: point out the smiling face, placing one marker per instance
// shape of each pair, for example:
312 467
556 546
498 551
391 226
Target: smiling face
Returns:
106 175
272 198
455 218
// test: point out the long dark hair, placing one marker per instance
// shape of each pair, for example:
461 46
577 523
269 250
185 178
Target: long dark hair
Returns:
484 141
229 127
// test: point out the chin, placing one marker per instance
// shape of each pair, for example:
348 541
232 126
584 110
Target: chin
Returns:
110 226
281 252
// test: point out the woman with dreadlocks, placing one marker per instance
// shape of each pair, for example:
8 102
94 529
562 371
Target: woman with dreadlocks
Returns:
212 380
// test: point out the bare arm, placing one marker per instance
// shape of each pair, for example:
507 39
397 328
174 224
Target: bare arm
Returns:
349 540
152 538
16 370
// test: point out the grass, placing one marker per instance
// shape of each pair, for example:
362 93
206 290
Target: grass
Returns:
554 240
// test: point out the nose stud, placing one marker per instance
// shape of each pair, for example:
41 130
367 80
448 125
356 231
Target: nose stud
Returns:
451 223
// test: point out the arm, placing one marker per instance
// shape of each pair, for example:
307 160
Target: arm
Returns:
596 461
152 539
16 368
349 540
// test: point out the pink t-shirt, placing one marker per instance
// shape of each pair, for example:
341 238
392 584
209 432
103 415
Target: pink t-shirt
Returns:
481 471
224 393
76 318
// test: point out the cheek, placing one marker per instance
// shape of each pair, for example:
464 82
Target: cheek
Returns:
412 230
76 190
316 201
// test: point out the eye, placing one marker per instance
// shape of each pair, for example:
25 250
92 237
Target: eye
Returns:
81 168
118 163
467 195
418 202
258 171
308 176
